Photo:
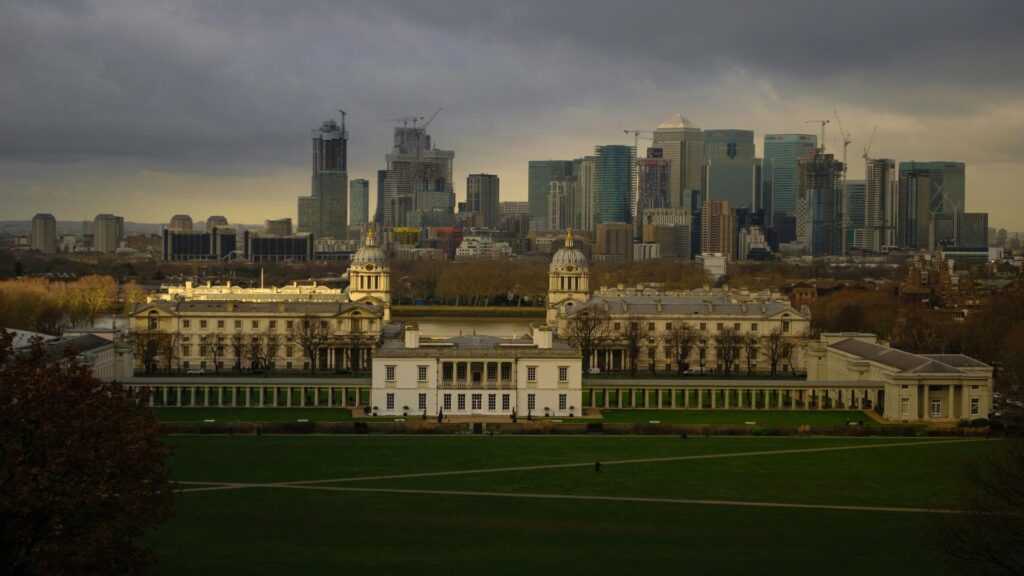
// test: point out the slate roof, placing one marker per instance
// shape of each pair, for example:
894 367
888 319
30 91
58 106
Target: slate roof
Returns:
477 346
687 305
247 307
902 361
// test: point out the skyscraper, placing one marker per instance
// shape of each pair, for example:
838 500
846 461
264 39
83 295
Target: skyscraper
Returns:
358 202
107 231
324 211
482 196
913 228
182 222
780 175
44 233
947 184
854 222
585 171
880 202
718 229
216 222
819 225
614 182
542 172
682 145
730 170
418 189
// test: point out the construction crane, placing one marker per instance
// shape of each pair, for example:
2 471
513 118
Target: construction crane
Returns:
405 120
846 141
823 123
429 120
867 150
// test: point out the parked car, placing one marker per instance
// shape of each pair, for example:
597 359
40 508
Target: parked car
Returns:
594 371
196 371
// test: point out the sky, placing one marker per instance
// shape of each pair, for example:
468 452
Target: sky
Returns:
148 109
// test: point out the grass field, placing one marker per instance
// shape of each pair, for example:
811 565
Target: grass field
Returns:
514 504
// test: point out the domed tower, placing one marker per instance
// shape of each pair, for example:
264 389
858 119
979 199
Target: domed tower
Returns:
370 276
568 279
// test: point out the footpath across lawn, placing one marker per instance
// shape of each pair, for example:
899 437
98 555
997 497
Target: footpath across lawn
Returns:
740 417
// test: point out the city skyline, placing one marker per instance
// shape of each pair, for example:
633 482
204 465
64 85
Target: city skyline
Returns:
211 132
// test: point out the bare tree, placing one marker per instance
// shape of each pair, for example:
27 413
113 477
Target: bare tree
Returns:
147 347
311 334
239 349
728 344
681 340
169 348
263 349
634 334
586 330
773 351
986 537
750 344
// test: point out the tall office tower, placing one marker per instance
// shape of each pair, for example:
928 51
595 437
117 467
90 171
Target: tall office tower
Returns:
718 228
559 192
613 242
325 211
482 196
216 222
947 184
418 189
854 202
780 178
613 184
358 202
819 206
181 222
730 170
542 172
585 171
682 144
378 211
972 230
655 173
279 227
107 231
880 204
44 233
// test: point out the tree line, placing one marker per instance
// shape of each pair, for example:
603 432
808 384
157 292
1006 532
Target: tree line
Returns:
46 306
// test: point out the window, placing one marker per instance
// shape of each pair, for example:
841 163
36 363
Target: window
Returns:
202 324
975 407
355 325
446 371
462 401
492 402
753 327
562 401
290 324
288 350
273 324
531 373
904 407
421 373
492 371
323 325
220 324
202 349
506 371
720 327
936 408
736 326
618 326
505 401
447 401
185 350
422 405
460 371
563 374
703 326
531 401
186 323
785 326
238 324
255 323
478 401
650 326
668 325
390 400
389 373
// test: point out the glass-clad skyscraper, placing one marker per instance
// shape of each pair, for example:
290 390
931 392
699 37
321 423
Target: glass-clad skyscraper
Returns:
614 170
781 176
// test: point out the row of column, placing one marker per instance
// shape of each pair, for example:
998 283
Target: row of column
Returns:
734 398
259 397
462 371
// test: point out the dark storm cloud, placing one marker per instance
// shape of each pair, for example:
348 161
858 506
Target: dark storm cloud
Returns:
222 88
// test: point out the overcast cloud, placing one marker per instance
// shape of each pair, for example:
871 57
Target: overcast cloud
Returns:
148 109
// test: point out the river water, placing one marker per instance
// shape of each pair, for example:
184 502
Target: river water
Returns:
502 327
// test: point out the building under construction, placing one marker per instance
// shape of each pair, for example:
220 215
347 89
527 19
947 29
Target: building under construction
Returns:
417 183
819 206
325 211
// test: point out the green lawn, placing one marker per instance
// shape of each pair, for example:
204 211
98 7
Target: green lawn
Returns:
314 531
254 415
739 417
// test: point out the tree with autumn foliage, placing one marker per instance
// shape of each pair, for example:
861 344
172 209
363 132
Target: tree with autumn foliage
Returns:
82 469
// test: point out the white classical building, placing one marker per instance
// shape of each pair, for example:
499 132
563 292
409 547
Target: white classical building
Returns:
535 374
